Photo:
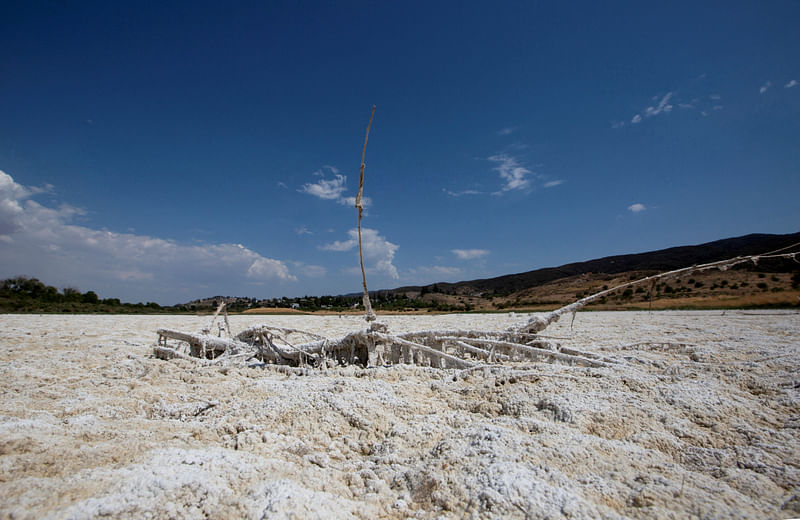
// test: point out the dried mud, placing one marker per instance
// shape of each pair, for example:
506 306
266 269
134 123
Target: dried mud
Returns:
699 417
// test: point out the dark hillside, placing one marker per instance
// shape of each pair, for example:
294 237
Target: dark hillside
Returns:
662 260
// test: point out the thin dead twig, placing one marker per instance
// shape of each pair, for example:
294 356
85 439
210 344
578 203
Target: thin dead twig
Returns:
369 313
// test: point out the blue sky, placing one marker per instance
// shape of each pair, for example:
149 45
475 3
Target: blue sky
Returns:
170 152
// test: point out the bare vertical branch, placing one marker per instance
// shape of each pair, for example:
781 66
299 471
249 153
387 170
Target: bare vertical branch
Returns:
370 314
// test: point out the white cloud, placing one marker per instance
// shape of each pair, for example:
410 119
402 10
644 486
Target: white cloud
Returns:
302 230
436 273
309 270
351 201
378 252
47 244
456 194
552 184
715 97
326 189
791 84
765 87
265 268
617 124
341 245
332 188
506 131
512 172
469 254
637 208
663 106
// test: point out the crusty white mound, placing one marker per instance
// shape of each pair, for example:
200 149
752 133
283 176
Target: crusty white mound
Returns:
699 417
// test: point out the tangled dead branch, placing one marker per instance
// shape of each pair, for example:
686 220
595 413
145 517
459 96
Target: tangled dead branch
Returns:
461 349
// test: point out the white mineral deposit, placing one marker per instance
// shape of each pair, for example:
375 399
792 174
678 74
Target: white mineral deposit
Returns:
686 414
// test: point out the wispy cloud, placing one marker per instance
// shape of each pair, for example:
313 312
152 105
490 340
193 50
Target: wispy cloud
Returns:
331 188
765 87
663 106
469 254
45 240
552 184
705 104
309 270
327 189
303 231
637 208
506 131
378 252
436 273
791 84
456 194
512 172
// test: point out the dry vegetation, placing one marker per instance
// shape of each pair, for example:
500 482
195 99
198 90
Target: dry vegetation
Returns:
735 288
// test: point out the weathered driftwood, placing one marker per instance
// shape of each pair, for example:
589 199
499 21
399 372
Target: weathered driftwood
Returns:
202 345
167 353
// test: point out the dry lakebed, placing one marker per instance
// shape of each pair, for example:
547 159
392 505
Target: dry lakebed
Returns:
698 417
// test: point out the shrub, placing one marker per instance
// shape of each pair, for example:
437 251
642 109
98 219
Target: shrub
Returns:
762 286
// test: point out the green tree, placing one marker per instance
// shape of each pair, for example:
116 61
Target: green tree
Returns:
90 297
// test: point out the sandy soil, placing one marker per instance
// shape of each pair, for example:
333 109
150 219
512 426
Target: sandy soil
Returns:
699 418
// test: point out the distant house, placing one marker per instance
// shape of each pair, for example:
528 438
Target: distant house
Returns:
295 306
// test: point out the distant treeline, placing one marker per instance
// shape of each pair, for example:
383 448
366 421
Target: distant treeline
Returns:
28 295
381 300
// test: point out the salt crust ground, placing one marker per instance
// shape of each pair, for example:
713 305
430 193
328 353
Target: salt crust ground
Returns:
700 418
